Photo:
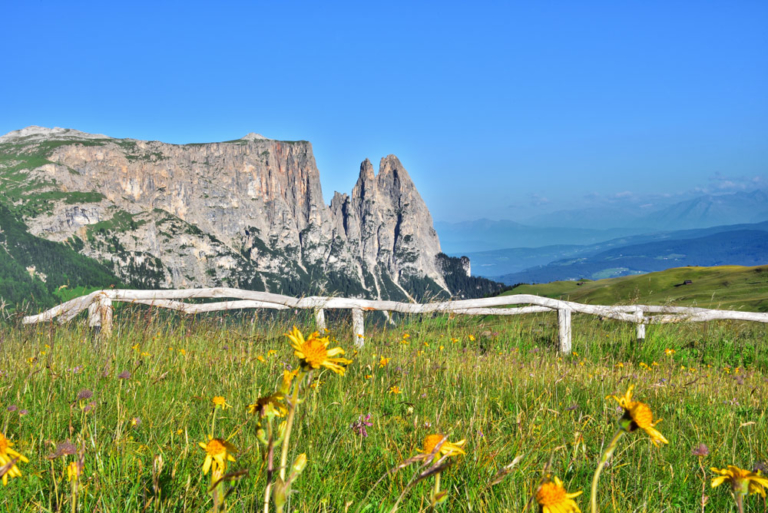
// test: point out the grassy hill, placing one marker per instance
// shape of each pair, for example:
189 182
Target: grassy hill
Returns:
725 287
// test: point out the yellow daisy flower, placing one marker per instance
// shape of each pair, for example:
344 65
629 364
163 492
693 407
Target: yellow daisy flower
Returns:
220 402
394 389
314 353
553 498
270 406
8 459
446 448
217 453
384 362
639 415
742 481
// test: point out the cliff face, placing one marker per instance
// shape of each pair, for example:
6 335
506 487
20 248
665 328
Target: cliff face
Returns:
247 213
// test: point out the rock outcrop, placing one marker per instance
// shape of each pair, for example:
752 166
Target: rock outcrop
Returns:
247 213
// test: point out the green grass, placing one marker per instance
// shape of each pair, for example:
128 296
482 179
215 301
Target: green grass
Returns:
724 287
508 393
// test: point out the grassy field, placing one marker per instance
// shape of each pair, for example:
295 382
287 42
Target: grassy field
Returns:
137 406
725 287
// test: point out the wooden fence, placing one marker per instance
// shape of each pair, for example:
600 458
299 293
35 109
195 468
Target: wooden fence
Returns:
99 306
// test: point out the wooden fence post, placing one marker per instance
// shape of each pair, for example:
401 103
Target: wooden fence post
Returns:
94 317
105 310
320 320
358 327
640 328
564 325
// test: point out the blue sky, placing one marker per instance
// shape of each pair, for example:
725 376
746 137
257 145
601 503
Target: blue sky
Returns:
497 109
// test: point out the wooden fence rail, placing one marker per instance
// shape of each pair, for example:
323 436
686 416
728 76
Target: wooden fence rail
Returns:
99 307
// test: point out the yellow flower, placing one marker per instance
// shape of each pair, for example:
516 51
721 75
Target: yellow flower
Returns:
182 352
217 453
406 335
73 471
261 359
8 458
394 390
384 361
669 352
471 338
270 406
454 340
446 448
271 352
314 353
742 481
220 402
553 498
640 416
368 376
619 365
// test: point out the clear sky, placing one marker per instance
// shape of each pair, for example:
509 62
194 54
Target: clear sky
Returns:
497 109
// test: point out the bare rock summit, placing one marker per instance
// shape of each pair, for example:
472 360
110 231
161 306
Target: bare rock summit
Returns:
247 213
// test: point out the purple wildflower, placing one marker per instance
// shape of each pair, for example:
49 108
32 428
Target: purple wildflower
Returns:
700 450
84 394
360 424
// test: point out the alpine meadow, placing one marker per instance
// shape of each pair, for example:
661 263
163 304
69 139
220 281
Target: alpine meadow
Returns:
384 257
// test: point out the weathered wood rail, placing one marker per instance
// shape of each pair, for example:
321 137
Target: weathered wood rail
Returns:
99 306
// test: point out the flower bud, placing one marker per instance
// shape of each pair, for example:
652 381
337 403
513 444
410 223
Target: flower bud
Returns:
299 464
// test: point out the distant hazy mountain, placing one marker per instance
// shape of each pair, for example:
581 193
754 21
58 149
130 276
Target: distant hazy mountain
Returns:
592 218
706 211
729 247
485 235
599 224
700 212
495 263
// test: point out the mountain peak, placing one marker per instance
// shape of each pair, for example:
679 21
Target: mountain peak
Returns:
254 137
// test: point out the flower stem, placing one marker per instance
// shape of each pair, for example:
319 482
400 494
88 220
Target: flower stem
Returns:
606 456
435 491
289 425
740 501
270 466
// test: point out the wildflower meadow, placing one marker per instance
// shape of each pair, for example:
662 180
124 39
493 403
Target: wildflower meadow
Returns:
261 412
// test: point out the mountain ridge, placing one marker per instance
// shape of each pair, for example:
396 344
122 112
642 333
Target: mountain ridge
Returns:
247 213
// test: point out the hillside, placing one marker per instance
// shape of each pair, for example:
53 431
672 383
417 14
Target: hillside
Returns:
40 272
724 287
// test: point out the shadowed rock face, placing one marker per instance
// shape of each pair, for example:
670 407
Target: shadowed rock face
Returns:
247 213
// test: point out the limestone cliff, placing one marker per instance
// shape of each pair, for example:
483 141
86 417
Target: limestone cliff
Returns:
246 213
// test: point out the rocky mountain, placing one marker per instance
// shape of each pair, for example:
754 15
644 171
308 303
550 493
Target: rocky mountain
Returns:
246 213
